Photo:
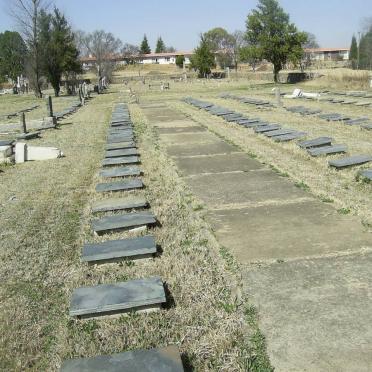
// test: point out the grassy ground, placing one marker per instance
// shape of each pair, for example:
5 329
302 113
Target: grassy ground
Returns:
45 220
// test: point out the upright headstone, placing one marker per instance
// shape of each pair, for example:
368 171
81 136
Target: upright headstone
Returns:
278 97
23 122
49 106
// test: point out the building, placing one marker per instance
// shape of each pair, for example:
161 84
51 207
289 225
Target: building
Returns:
164 58
328 54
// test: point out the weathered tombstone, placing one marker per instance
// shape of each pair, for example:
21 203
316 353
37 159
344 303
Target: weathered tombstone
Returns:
116 204
278 97
121 152
120 186
120 172
350 161
113 250
316 142
160 360
49 104
20 152
23 122
121 161
122 222
109 299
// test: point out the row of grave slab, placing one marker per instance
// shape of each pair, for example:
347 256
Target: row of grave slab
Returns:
315 147
122 214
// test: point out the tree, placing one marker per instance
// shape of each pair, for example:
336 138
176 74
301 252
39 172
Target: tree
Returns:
250 54
278 40
365 50
130 53
353 57
311 42
170 49
103 46
180 59
160 46
145 47
203 58
13 53
26 14
238 43
60 54
222 44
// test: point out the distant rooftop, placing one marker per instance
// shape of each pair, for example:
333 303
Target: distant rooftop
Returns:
324 50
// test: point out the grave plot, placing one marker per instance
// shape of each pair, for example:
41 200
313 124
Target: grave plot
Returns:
160 360
327 150
316 142
365 174
135 183
123 249
115 204
122 160
109 299
121 152
350 161
120 172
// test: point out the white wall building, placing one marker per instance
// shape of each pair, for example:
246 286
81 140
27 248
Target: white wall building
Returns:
164 58
328 54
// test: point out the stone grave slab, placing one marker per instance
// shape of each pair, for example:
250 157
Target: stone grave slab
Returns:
267 128
189 138
115 204
329 116
256 124
120 161
120 132
7 142
160 360
122 222
366 173
121 152
367 126
356 121
248 121
120 172
28 136
174 130
278 132
289 136
113 250
116 139
131 184
238 162
327 150
120 145
362 104
108 299
350 161
316 142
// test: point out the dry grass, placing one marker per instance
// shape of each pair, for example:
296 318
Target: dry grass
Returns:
45 218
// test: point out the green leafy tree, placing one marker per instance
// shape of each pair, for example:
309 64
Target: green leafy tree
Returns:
365 50
353 52
145 47
250 54
60 54
278 41
203 59
13 52
160 46
180 60
222 44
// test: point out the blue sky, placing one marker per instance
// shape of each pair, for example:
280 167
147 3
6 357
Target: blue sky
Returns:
180 22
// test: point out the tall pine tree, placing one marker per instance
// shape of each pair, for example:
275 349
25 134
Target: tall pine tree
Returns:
145 47
203 59
160 46
353 52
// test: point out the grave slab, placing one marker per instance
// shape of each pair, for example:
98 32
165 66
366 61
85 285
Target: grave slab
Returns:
315 313
114 250
120 145
188 138
114 204
160 360
131 184
287 231
120 161
266 128
194 149
7 142
327 150
256 124
121 152
316 142
221 189
367 173
120 172
216 164
350 161
278 132
175 130
116 139
367 126
122 222
108 299
289 136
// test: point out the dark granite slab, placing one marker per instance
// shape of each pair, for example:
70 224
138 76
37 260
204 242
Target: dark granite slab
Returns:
154 360
123 221
121 152
29 135
289 136
356 121
350 161
121 161
266 128
115 204
113 250
256 124
120 186
278 132
327 150
120 172
107 299
7 142
120 145
367 173
367 126
316 142
116 139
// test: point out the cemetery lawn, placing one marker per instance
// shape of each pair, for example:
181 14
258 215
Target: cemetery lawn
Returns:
45 219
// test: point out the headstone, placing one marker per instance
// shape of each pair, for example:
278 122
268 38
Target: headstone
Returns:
20 152
160 360
23 122
356 121
120 161
256 124
49 106
278 132
350 161
123 222
289 136
121 152
120 145
367 126
278 97
115 204
112 250
316 142
266 128
120 186
121 138
120 172
327 150
108 299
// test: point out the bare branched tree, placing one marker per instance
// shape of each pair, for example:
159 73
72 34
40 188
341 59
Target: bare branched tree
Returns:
26 14
130 53
104 46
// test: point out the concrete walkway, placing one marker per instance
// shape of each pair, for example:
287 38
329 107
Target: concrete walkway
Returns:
312 285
